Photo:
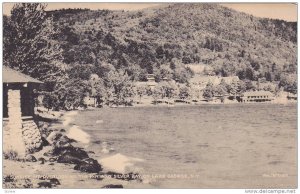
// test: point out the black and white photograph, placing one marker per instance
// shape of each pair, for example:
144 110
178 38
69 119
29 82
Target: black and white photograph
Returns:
150 95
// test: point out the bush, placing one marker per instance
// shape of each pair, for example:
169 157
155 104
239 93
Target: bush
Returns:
10 155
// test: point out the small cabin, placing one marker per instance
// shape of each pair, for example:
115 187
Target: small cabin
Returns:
151 81
257 96
150 78
90 101
20 132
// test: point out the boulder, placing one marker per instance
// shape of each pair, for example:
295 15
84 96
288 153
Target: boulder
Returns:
78 152
54 181
111 186
9 178
48 154
71 155
69 158
30 158
53 137
88 165
43 177
42 160
44 141
44 184
64 141
62 144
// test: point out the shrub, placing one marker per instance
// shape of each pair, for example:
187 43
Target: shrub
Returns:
10 155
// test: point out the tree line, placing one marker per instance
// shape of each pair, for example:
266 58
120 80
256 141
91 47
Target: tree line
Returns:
90 57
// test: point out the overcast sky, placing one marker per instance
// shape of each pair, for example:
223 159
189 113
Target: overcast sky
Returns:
286 11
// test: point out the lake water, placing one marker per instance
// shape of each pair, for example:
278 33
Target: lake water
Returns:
205 146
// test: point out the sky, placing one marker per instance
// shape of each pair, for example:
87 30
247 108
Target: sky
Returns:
285 11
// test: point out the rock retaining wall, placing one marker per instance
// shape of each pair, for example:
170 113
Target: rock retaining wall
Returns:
20 135
31 135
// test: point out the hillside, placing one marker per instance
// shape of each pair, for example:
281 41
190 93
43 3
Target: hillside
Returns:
103 53
229 41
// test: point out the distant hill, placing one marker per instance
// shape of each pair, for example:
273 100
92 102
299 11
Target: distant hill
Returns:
162 40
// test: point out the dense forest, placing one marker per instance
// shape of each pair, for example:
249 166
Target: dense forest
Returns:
79 52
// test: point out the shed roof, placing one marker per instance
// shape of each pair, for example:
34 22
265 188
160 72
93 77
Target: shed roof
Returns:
258 93
13 76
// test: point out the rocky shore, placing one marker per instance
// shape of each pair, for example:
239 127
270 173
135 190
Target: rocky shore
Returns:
63 163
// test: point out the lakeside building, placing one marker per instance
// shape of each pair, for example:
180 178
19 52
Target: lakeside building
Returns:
20 132
151 83
257 96
90 101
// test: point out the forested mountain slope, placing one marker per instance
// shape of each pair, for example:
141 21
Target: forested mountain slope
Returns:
149 40
103 53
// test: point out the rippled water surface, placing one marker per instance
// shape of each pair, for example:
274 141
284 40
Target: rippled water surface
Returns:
215 146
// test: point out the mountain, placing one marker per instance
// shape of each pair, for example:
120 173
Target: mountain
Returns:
162 40
103 53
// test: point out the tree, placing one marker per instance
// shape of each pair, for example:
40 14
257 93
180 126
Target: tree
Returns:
270 88
98 89
225 85
156 93
140 91
160 52
241 86
184 92
68 94
80 71
268 76
292 88
220 90
274 67
234 88
288 83
122 88
168 89
29 42
208 91
103 68
30 45
165 72
249 85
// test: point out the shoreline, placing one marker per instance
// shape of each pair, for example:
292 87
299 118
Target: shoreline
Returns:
188 105
116 162
47 169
